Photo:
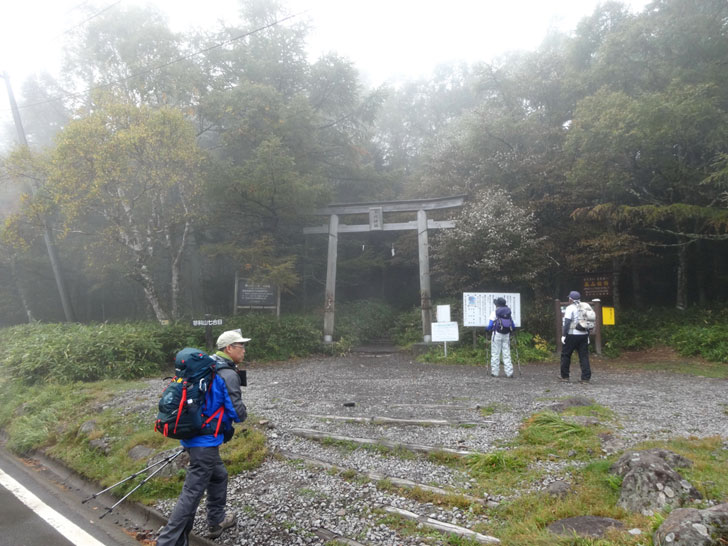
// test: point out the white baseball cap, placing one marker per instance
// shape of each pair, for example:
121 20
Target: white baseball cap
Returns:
230 337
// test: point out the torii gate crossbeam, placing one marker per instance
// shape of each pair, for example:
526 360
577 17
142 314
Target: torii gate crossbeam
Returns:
376 212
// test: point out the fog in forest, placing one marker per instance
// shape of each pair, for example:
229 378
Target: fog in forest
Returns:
165 167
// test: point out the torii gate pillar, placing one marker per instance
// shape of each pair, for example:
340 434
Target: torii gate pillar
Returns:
331 279
425 296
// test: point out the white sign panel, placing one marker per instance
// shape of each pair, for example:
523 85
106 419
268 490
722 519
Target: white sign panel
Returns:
443 313
445 331
477 307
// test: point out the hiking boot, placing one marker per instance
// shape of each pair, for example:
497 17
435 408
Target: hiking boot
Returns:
564 379
509 376
494 375
215 531
583 380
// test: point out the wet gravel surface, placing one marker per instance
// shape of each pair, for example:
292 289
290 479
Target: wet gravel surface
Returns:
286 502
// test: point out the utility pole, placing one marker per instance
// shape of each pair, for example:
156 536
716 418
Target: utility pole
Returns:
47 232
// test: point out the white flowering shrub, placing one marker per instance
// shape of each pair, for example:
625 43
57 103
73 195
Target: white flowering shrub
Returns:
494 245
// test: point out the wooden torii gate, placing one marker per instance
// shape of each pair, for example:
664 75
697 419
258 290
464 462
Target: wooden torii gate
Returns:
376 213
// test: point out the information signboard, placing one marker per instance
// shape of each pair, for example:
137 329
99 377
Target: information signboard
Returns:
252 295
477 307
445 331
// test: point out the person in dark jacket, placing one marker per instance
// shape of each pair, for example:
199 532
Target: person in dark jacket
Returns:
206 471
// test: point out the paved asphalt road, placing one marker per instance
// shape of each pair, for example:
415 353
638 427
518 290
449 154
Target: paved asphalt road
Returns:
23 527
71 523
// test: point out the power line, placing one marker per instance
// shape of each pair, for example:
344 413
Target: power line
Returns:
89 18
161 66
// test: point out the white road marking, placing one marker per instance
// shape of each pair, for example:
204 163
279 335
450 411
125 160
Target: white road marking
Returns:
65 527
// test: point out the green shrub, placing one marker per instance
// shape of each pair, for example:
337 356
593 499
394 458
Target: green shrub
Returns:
38 353
362 321
63 353
407 328
708 341
525 347
693 332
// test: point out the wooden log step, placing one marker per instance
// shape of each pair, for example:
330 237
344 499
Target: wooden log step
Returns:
376 476
434 406
442 526
318 435
331 536
395 421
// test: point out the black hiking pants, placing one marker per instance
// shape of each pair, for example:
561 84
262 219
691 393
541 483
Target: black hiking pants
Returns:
580 343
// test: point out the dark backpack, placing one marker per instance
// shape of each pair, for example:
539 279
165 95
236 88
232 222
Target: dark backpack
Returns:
183 402
503 321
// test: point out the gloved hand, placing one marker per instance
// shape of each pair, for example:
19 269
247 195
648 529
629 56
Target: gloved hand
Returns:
227 434
563 339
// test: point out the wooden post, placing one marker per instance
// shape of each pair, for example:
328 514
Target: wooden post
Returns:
597 306
424 253
330 297
235 296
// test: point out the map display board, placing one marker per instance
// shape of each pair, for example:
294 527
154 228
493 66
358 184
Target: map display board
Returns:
477 307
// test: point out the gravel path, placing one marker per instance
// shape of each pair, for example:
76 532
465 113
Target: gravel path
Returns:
286 503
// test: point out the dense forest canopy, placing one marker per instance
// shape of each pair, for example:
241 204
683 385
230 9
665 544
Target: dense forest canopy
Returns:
161 164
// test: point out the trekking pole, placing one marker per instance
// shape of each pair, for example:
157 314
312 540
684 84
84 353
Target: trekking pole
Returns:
145 480
131 477
518 360
487 351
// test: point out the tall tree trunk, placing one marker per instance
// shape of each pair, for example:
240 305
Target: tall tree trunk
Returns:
681 300
703 274
616 296
150 293
57 273
636 285
19 287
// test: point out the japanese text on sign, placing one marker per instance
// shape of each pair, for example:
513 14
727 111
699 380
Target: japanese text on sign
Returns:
477 307
207 322
596 286
255 295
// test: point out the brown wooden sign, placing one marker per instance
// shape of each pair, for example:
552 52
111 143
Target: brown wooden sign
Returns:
597 286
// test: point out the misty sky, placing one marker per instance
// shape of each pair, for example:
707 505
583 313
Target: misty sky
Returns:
386 39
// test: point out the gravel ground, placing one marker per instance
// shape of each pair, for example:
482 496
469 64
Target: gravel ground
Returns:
286 503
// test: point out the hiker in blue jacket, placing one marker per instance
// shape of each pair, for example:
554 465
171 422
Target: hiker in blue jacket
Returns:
501 324
206 471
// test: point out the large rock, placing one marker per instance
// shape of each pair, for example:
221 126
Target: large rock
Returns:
140 452
588 526
167 470
649 482
692 527
572 402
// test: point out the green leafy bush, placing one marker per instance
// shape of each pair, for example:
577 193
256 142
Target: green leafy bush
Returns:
363 321
65 353
525 347
708 341
693 332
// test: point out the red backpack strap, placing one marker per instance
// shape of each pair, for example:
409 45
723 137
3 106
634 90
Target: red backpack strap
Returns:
221 412
181 407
